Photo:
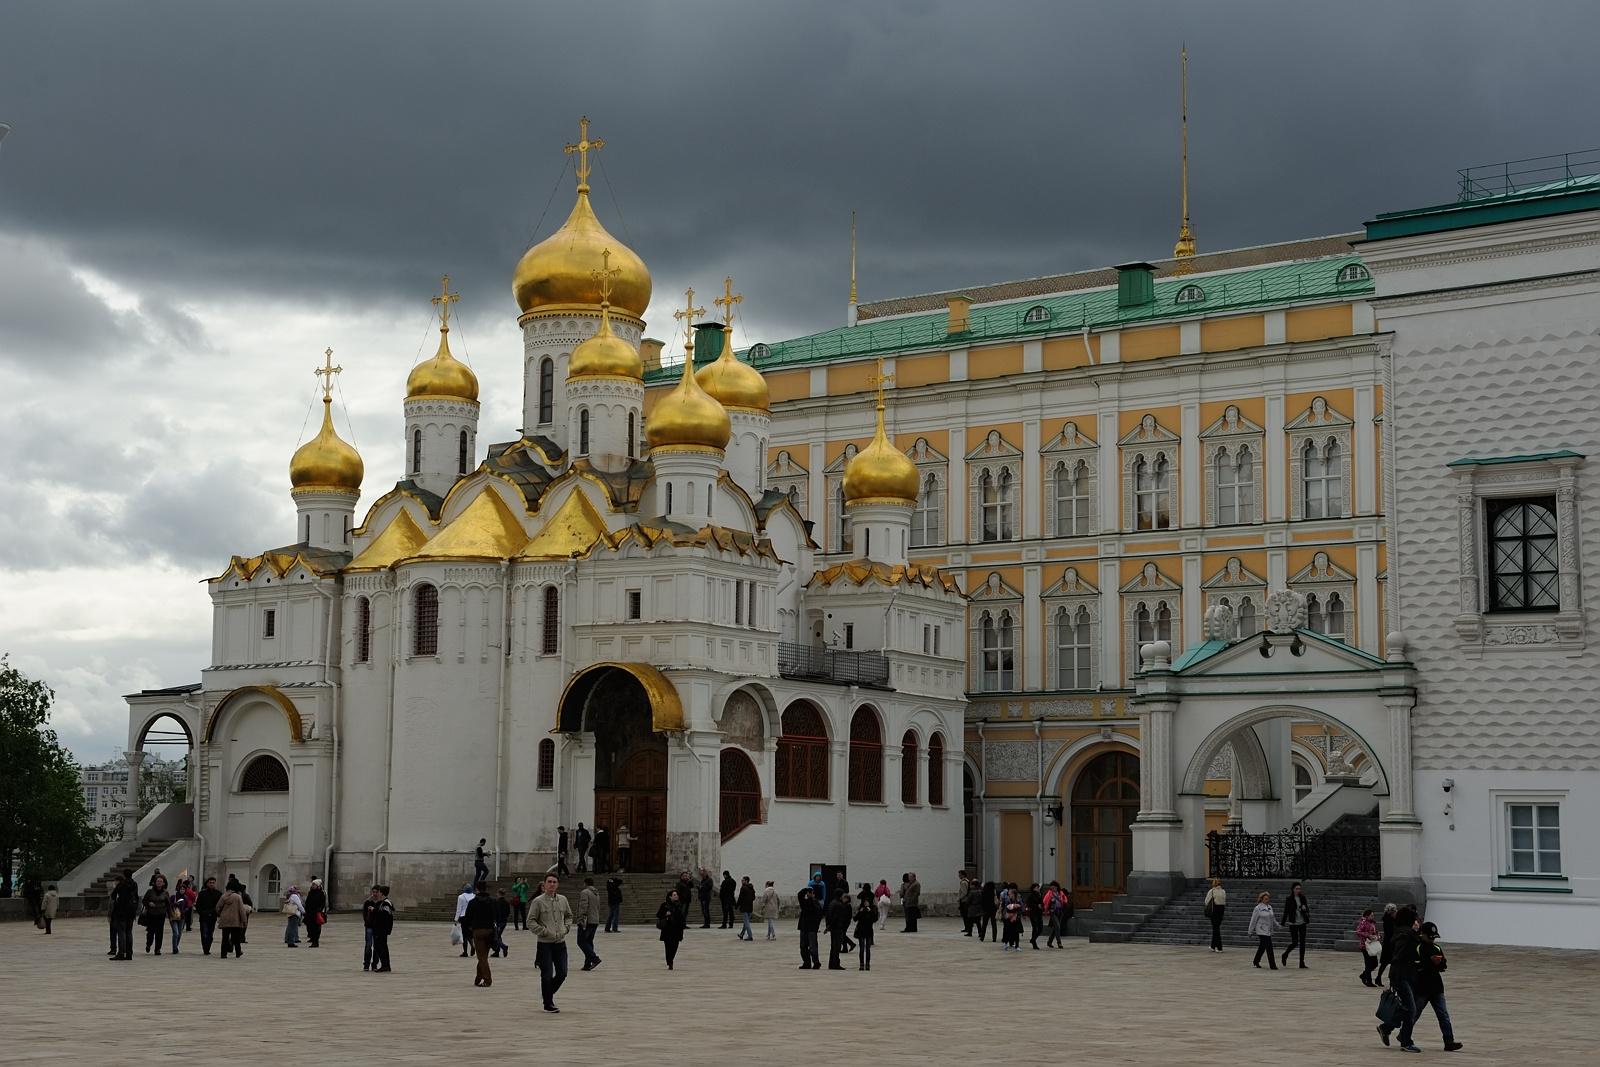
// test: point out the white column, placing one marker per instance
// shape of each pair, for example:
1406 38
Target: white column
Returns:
1189 464
1365 439
130 808
1031 478
956 495
1193 608
1033 634
1367 598
1110 475
1275 446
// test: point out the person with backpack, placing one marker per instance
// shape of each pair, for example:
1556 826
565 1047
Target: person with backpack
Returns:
520 891
369 908
1215 907
316 912
1427 988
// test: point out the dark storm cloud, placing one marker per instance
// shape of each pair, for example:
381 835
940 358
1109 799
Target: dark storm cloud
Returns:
345 154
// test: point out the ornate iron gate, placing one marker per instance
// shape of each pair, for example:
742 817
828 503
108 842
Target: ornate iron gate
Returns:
1298 852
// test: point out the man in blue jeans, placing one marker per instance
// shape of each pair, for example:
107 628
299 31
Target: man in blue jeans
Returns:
368 907
550 919
1427 989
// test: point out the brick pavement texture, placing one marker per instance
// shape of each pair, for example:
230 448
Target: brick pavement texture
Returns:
931 998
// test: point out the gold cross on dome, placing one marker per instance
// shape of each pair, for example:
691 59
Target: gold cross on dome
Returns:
583 148
880 380
688 316
727 300
604 276
326 373
444 300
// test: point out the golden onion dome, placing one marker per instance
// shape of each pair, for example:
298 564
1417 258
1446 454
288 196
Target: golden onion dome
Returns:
605 355
326 462
559 271
733 384
688 417
443 376
881 472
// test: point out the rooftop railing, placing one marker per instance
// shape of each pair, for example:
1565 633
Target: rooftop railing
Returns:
1521 175
832 665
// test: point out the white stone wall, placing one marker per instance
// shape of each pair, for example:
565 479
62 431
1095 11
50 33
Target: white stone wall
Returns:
440 422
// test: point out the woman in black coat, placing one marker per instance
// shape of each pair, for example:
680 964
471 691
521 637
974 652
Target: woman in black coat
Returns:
986 919
1297 917
316 911
671 918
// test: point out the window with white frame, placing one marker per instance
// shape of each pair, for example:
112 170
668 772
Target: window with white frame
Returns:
1074 650
1533 838
1326 614
841 519
1302 781
1152 623
1151 493
1073 484
997 505
1319 462
1233 476
927 519
997 651
1322 475
1524 563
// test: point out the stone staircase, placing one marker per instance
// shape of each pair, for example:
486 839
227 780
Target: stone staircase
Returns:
1335 906
642 894
95 894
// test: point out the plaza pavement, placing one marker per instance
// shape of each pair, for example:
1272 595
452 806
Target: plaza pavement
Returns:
932 998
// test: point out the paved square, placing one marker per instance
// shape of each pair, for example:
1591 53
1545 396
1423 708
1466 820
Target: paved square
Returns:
932 998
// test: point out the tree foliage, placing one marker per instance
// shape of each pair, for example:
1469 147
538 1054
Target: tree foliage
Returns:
42 811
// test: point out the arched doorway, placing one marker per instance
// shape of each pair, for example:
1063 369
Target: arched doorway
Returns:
1105 801
630 770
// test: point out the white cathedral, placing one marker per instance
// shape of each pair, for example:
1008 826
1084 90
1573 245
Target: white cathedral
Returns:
599 620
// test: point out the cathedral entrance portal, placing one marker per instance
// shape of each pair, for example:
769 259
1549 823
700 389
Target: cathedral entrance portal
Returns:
1105 799
630 773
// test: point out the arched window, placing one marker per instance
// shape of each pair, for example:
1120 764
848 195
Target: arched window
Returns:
461 454
416 451
1037 313
1352 272
801 763
1324 480
740 792
271 881
996 500
1190 294
1148 626
1314 613
1245 618
1235 484
547 390
1334 616
759 352
936 770
630 435
425 621
550 622
1150 482
908 768
997 668
547 764
866 757
1302 781
363 630
669 498
1072 499
1072 649
1163 622
264 774
794 495
843 518
926 521
583 431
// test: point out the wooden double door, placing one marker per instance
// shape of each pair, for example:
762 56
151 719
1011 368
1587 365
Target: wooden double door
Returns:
1105 800
638 801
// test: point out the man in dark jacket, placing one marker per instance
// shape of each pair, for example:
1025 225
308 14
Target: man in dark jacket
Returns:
1427 988
727 893
206 904
369 910
600 851
839 915
382 926
124 910
502 915
746 905
580 841
561 850
613 905
809 923
1402 968
705 889
479 919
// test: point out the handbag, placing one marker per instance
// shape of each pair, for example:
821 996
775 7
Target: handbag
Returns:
287 909
175 915
1373 947
1390 1011
1209 910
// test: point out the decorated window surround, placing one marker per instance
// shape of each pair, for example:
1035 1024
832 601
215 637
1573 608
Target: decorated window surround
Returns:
1149 440
994 597
1319 424
1068 448
930 462
1226 435
785 474
997 458
838 536
1069 593
1322 578
1480 630
1233 584
1152 589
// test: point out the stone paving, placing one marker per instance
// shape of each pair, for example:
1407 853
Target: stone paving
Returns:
932 998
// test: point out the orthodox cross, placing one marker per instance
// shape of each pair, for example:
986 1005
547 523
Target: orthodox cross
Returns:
444 300
604 276
688 316
326 373
726 302
880 380
583 148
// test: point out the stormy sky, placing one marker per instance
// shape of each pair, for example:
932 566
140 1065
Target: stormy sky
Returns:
198 197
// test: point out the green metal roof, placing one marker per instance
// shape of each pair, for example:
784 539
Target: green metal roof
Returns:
1531 457
1504 192
1203 651
1303 281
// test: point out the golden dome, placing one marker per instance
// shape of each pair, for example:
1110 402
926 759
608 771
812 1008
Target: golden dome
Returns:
881 472
734 384
605 355
326 462
688 417
444 375
559 271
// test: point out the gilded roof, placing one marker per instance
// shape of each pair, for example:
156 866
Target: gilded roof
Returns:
659 531
571 532
322 562
485 530
399 540
860 572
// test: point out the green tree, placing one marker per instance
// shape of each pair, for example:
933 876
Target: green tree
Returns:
42 813
164 782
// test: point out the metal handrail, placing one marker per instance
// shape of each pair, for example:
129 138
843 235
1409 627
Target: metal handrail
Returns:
1515 175
836 665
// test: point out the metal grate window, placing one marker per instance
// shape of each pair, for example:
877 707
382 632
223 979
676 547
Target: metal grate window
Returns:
363 630
425 621
547 391
1523 560
550 622
908 768
801 765
264 774
547 764
866 758
936 770
739 793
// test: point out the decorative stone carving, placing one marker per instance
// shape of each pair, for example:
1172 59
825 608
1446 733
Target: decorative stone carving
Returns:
1219 623
1017 761
1221 765
1052 709
1286 611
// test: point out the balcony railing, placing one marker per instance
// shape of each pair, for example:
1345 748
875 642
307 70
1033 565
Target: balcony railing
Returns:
832 665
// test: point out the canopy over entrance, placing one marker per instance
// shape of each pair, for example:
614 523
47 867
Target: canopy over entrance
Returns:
574 712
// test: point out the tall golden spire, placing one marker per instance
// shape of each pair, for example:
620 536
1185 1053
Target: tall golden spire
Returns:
604 276
852 257
1184 249
583 148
